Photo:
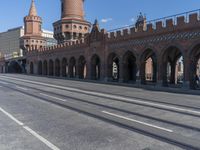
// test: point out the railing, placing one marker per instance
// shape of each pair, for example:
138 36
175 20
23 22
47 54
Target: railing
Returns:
163 19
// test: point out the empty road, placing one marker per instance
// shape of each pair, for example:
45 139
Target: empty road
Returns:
40 113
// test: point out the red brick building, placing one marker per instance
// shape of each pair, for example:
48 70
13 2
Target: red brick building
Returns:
146 53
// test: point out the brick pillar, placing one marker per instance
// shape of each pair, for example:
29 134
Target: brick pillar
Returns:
186 73
77 70
88 74
142 72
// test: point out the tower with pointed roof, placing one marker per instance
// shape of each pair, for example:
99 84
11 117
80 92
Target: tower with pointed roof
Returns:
72 25
32 38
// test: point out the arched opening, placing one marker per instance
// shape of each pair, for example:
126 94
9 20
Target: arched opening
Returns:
113 67
64 67
195 68
95 67
173 68
148 67
72 68
51 68
40 68
31 68
130 67
14 67
57 67
82 69
45 68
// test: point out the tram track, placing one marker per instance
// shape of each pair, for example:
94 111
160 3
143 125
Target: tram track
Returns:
148 100
107 106
166 136
171 107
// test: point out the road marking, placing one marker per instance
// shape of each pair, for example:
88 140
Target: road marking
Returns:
11 117
50 145
25 89
42 139
140 122
53 97
109 96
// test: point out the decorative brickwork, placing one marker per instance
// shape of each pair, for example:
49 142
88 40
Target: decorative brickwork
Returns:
124 55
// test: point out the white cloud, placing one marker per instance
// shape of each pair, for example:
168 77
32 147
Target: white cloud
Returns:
105 20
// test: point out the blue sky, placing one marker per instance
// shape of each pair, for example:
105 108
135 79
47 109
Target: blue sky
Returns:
110 13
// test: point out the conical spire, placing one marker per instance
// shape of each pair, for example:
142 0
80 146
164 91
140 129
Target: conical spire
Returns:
33 11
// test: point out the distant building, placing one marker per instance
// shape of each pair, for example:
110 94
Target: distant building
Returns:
10 44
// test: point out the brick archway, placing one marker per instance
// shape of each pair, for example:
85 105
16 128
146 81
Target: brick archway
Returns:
113 71
31 68
95 67
45 68
72 67
130 68
64 67
40 67
170 58
194 67
57 67
148 68
51 67
82 69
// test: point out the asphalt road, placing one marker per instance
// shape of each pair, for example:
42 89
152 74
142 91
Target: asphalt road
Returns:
40 113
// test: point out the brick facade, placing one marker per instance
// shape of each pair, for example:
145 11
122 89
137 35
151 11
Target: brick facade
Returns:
93 56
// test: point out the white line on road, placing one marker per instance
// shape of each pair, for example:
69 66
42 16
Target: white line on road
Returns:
140 122
50 145
19 87
11 117
109 96
53 97
42 139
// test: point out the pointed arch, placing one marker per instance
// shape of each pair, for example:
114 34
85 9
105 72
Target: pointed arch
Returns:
130 68
57 67
72 67
113 67
95 67
45 68
31 68
170 61
40 67
51 67
64 67
194 56
148 69
82 69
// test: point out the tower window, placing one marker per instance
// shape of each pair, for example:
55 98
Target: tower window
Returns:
75 27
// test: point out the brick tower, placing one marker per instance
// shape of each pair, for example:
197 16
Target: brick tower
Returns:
32 38
72 25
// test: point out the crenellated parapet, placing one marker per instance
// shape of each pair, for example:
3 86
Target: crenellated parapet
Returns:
157 27
59 47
